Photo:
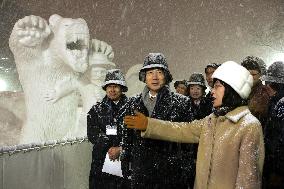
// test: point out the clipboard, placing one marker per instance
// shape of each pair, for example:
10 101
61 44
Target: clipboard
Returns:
112 167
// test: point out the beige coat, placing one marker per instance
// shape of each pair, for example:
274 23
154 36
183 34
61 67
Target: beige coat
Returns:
231 149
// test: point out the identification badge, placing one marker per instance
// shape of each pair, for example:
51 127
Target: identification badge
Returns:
111 130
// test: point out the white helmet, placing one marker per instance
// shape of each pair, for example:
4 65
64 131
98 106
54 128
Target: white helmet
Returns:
235 75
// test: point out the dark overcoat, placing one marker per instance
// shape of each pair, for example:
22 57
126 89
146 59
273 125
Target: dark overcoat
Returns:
156 163
100 116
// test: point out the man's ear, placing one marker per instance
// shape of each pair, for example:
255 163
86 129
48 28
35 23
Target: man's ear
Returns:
53 20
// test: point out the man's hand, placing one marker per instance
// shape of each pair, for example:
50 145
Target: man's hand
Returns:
113 153
139 121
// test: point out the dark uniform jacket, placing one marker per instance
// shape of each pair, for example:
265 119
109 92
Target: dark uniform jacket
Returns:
274 144
100 116
156 163
203 109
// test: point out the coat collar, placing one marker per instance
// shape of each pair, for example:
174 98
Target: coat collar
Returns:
236 114
164 90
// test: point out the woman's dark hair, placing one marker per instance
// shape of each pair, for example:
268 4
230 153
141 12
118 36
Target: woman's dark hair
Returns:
231 98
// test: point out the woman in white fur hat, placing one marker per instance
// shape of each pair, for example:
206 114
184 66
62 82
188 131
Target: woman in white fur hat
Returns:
231 148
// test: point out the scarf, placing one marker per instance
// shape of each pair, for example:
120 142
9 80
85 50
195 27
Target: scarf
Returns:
222 110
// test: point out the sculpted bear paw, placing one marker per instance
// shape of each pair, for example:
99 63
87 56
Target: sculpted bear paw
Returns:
51 96
32 30
103 48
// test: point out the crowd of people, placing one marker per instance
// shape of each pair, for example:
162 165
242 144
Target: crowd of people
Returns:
226 134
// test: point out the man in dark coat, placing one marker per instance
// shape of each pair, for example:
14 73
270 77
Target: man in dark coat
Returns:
155 163
274 128
104 130
258 98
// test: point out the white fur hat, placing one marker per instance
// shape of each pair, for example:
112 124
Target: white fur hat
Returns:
235 75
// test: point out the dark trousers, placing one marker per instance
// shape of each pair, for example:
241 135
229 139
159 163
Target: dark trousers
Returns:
152 177
106 181
273 181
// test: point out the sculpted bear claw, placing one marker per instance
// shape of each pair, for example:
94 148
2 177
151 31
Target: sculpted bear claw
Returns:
102 47
32 30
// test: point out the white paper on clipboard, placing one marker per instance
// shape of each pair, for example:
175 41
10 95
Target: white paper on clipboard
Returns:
112 167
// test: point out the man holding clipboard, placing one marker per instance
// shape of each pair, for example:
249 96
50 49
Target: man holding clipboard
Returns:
104 130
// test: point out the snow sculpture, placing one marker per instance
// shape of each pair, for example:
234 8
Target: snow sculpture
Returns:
45 55
135 86
100 60
93 93
88 85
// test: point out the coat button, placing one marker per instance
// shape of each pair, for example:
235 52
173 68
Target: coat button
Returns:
222 119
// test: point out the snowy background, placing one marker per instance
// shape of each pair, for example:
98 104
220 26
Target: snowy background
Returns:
190 33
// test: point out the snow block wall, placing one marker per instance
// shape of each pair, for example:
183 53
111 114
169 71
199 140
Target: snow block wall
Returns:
61 164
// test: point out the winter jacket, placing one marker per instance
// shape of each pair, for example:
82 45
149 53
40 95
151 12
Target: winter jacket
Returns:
200 111
274 144
157 163
203 109
230 152
258 102
101 115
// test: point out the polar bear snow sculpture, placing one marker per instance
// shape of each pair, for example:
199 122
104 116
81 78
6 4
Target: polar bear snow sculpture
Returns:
45 54
88 85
